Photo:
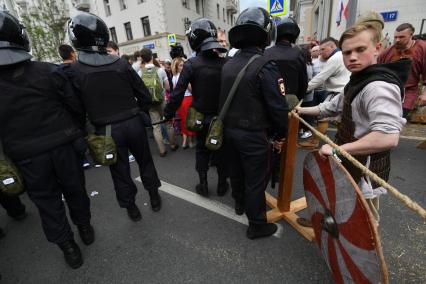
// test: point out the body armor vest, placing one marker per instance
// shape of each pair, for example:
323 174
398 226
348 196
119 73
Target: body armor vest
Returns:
107 92
247 109
205 83
292 67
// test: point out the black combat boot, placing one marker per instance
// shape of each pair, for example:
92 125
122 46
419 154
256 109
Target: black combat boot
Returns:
202 187
222 186
256 231
239 208
155 199
134 213
72 253
87 234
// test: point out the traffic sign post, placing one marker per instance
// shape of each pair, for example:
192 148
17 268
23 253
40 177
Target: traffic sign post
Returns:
171 38
278 7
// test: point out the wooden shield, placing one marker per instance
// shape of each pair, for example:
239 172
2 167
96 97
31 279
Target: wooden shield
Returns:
344 227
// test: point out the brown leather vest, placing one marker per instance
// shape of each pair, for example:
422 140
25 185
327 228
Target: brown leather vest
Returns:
379 162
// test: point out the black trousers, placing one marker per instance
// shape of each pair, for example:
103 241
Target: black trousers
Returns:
204 156
130 135
47 177
12 205
248 155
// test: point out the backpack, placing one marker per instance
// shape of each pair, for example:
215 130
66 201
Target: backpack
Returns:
152 82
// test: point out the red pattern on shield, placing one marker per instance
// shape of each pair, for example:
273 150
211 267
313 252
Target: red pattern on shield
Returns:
342 222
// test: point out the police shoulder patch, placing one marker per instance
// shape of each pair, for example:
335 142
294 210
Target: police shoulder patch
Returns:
281 86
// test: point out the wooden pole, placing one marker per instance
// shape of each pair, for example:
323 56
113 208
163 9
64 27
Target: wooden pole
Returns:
288 163
283 207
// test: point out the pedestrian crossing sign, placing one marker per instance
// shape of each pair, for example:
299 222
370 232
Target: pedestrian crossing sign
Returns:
277 7
171 38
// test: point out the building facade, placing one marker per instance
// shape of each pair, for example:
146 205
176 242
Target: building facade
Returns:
135 24
319 18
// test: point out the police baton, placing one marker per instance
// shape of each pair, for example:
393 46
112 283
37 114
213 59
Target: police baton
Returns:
165 120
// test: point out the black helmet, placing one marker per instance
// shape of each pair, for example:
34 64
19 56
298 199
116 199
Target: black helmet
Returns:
289 29
202 35
254 27
14 43
88 32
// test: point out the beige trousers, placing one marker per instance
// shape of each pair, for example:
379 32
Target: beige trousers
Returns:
156 114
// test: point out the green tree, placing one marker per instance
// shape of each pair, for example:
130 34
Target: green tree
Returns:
45 23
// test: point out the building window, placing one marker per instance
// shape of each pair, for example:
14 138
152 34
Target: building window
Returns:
141 1
198 6
185 3
218 11
123 5
145 26
224 18
113 34
128 29
107 8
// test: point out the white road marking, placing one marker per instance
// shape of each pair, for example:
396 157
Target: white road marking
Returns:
209 204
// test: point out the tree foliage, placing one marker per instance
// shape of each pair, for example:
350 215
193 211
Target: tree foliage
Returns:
45 23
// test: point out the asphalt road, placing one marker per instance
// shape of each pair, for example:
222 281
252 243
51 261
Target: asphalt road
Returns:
185 243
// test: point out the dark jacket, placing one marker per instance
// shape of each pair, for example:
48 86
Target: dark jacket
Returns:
203 73
110 93
38 109
258 103
292 66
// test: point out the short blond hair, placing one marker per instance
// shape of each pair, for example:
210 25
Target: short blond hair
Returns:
355 30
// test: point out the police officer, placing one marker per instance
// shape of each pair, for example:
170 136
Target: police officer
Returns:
113 94
257 113
292 65
38 114
203 73
289 58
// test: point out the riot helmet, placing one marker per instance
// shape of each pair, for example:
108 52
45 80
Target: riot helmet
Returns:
254 27
88 32
14 42
287 28
202 35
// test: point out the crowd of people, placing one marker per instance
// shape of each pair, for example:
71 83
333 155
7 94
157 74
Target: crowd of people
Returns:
47 111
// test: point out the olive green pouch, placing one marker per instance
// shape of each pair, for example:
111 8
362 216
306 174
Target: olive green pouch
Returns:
194 119
102 148
11 182
214 138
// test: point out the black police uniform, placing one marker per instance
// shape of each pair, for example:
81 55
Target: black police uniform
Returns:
203 73
257 108
292 67
38 111
113 93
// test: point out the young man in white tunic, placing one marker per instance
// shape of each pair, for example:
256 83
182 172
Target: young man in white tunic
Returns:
371 109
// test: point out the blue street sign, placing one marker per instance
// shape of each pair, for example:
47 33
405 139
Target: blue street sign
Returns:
389 16
150 45
277 7
171 38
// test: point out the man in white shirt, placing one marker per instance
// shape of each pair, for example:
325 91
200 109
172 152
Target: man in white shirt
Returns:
333 77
